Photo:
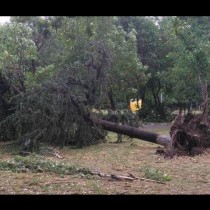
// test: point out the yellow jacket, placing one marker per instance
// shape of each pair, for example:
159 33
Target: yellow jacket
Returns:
134 106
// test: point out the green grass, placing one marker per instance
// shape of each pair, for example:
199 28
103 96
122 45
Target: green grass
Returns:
156 174
70 175
37 164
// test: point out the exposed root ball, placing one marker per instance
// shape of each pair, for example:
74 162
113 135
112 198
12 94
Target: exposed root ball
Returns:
190 134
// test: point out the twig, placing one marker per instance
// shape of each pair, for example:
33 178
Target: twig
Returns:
118 177
112 176
131 177
100 174
143 179
55 153
150 180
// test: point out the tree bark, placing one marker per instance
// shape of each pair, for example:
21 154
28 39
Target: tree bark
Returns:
134 132
205 101
111 99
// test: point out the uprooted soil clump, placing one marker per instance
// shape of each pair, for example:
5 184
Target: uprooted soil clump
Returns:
190 135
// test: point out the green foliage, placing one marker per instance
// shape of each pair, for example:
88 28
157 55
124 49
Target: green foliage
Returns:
125 117
16 52
190 57
59 68
42 74
127 73
153 113
37 164
17 48
155 174
54 112
88 39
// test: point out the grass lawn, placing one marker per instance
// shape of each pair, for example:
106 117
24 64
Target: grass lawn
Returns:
188 175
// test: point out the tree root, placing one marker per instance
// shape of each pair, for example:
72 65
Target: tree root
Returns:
190 135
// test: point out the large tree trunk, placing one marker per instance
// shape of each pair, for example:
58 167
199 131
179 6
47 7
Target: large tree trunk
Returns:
189 134
133 132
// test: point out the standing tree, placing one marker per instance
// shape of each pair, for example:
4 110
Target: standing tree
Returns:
16 51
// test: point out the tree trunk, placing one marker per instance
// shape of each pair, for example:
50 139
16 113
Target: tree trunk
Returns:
142 93
134 132
111 99
205 101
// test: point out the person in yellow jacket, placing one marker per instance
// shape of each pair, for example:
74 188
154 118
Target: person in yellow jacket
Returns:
134 105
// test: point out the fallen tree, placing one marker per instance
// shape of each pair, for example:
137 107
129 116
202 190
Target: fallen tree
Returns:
189 135
134 132
59 112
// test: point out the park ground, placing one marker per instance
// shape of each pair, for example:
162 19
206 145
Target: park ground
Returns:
186 175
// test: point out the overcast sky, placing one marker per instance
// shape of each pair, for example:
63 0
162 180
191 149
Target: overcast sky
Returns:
4 19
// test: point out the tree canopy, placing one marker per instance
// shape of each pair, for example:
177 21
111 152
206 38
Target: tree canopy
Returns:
56 70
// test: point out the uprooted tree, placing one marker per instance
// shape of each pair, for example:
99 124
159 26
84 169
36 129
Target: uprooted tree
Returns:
57 113
53 101
191 133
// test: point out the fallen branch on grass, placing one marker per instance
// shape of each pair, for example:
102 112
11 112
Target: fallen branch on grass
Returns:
143 179
131 177
112 176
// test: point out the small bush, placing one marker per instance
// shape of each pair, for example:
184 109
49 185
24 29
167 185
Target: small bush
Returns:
155 174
